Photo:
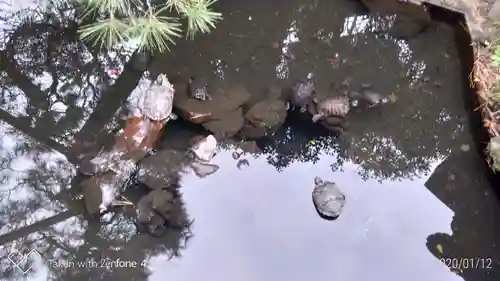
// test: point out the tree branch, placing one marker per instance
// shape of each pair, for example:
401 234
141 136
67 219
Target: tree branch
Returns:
37 226
36 134
113 98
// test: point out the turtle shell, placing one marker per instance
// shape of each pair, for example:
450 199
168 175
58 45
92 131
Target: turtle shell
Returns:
328 199
157 101
334 106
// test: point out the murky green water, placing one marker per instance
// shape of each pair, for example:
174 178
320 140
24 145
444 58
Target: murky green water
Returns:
416 189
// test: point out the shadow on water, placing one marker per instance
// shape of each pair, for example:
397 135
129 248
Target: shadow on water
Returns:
254 222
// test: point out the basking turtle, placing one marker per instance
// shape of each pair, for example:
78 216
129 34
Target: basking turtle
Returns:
327 198
157 101
155 107
333 106
198 89
302 93
151 112
368 96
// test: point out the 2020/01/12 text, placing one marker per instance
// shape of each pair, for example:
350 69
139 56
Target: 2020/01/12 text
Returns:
106 263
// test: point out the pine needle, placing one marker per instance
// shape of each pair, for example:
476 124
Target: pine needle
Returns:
200 17
155 32
140 20
105 33
109 7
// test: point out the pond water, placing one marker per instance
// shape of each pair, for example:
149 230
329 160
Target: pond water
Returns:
416 189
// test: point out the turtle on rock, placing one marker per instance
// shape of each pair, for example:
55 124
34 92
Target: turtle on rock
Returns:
302 93
154 108
198 89
333 106
367 96
328 199
157 101
151 112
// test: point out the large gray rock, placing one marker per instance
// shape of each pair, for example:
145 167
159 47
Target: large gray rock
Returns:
222 115
263 118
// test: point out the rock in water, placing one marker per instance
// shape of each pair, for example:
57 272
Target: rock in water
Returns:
153 212
203 170
327 198
205 149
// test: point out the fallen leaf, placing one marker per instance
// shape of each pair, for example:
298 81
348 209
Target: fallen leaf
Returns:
465 147
439 248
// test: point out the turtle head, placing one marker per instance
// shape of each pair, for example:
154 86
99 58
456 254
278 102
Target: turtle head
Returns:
160 79
318 181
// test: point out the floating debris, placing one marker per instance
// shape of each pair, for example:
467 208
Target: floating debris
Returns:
439 247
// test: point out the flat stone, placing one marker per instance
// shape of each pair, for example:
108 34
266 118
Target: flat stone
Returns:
227 125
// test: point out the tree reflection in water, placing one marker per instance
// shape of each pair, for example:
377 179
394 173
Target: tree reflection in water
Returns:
55 95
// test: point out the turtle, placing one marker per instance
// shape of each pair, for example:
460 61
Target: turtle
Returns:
198 89
367 95
156 102
302 93
333 106
154 106
327 198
